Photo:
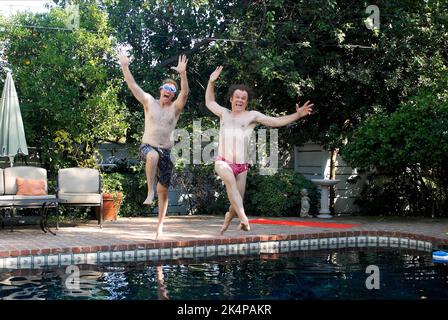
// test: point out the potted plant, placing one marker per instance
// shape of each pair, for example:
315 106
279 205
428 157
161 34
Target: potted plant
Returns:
112 195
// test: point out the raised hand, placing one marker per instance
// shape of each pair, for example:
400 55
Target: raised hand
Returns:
181 64
123 59
305 110
215 74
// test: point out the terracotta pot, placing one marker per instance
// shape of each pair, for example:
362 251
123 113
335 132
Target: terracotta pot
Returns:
111 205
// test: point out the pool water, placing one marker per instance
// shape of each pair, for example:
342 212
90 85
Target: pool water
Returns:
317 275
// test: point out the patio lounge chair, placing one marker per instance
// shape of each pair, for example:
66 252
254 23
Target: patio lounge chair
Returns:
80 187
11 200
5 200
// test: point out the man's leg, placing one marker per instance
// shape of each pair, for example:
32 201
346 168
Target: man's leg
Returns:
241 186
226 175
152 159
162 193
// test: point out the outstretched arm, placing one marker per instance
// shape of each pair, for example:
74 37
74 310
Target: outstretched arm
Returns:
138 93
184 88
301 112
210 101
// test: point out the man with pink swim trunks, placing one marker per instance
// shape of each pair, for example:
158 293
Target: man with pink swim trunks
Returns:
237 168
236 126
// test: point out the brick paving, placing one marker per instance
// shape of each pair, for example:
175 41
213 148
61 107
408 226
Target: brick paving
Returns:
181 231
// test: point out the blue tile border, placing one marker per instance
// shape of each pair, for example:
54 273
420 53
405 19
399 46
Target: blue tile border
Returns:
199 251
243 249
216 251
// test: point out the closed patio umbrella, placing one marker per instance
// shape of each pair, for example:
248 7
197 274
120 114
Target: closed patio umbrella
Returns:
12 134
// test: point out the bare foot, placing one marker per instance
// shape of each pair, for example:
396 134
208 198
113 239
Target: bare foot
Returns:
227 219
149 199
244 225
159 231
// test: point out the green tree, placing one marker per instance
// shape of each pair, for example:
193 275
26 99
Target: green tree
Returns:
408 150
67 91
289 51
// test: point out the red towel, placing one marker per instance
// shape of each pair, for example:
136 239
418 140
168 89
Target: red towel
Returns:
312 224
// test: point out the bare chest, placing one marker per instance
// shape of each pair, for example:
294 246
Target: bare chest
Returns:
162 116
229 121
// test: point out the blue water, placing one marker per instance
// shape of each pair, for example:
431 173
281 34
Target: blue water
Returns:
317 275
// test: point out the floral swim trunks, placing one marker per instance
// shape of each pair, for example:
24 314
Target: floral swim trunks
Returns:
164 165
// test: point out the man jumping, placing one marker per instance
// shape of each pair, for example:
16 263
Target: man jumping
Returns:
161 117
236 126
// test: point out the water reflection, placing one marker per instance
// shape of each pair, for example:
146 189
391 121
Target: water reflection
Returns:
49 284
315 275
162 293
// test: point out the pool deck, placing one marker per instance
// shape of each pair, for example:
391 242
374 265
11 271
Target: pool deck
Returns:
190 231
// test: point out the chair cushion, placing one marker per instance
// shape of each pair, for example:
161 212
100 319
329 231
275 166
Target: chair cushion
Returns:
22 200
78 180
42 197
6 201
2 183
81 198
30 187
10 175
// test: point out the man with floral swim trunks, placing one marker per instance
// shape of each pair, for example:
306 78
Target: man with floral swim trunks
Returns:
236 126
161 117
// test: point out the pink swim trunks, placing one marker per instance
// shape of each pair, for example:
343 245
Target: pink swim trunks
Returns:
237 168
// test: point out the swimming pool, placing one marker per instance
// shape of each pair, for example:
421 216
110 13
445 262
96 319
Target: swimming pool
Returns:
312 276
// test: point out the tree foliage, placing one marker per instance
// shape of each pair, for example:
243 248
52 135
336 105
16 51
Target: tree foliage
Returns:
67 91
289 51
409 151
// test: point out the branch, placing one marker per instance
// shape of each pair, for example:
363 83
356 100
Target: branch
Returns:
196 48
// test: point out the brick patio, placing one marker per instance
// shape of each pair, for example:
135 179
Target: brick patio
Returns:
191 231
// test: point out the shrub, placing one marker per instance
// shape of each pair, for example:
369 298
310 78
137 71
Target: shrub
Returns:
278 194
204 192
133 186
408 151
